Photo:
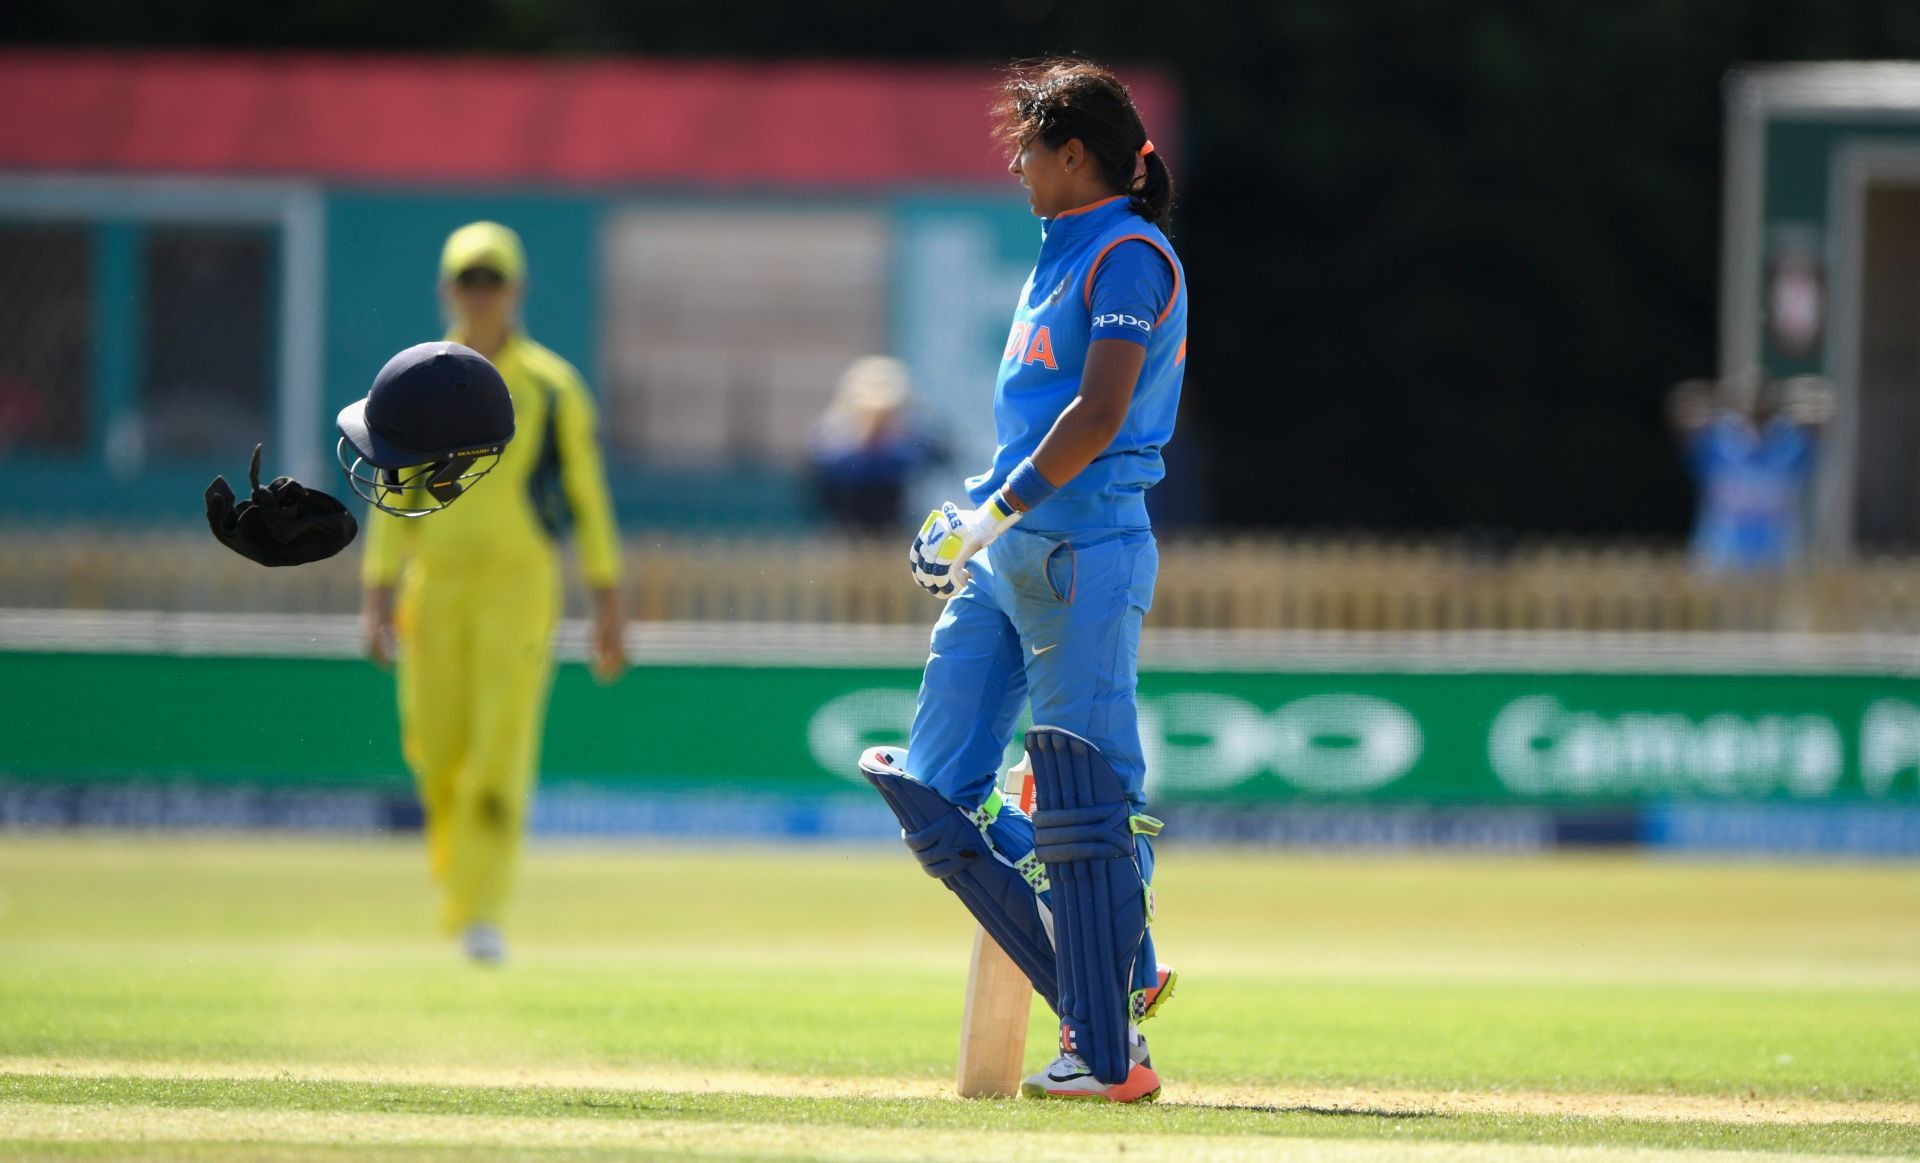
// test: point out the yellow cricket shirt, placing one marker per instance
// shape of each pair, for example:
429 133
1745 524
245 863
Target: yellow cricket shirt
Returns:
498 521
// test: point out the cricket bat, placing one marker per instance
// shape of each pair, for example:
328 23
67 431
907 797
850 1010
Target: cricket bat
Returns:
999 1001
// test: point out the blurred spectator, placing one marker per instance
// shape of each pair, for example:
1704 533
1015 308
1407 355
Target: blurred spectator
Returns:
1751 447
865 446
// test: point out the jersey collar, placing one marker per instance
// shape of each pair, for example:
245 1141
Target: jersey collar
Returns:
1092 216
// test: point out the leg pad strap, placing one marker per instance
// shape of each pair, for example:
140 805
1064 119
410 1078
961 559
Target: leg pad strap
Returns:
954 850
1095 832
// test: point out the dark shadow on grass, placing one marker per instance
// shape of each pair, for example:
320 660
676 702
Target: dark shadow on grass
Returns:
1329 1111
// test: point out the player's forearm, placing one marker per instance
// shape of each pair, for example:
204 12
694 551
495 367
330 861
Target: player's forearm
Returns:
376 623
1081 433
596 535
609 603
583 477
1093 419
596 546
384 551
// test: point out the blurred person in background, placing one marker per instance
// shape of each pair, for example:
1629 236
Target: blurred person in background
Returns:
1751 447
464 605
865 447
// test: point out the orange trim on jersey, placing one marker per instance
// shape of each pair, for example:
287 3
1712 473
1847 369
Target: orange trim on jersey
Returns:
1181 355
1087 295
1087 207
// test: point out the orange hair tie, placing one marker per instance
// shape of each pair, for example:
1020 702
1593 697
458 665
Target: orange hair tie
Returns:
1146 149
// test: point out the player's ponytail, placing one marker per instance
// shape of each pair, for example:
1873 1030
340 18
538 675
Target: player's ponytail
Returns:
1059 99
1151 195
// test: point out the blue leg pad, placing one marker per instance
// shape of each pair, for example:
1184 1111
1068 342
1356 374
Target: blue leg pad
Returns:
952 848
1082 831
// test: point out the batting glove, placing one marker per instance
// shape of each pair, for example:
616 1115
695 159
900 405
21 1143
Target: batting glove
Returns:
949 539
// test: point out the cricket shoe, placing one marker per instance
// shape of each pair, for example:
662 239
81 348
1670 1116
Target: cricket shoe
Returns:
483 944
1070 1077
1146 1002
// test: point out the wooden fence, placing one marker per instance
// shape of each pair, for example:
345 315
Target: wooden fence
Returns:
1253 583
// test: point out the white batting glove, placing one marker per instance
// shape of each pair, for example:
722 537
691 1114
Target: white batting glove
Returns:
949 539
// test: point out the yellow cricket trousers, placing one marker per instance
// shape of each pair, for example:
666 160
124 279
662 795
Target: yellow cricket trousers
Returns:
475 667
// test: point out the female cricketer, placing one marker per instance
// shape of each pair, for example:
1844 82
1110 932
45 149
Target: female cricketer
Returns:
1048 577
478 594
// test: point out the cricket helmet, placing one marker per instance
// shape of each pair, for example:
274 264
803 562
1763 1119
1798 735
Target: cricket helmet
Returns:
435 421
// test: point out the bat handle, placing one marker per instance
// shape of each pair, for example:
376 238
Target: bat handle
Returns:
1020 784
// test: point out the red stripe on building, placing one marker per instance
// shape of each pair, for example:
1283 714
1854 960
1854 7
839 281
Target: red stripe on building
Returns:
513 119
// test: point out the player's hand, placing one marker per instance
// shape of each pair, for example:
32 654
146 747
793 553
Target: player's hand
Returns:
607 649
376 625
948 540
1806 400
1690 405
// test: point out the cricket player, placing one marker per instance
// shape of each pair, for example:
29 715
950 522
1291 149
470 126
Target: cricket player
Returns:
1751 447
464 603
1048 575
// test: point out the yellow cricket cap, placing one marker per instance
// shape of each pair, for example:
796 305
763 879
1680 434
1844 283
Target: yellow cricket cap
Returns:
487 245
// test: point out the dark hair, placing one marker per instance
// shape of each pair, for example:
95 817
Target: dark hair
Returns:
1061 98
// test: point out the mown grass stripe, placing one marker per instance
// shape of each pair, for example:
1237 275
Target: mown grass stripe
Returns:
732 1139
1721 1108
282 1098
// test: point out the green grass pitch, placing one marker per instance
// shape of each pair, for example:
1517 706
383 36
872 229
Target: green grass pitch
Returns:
280 998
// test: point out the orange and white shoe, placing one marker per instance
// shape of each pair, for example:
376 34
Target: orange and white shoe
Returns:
1146 1002
1069 1077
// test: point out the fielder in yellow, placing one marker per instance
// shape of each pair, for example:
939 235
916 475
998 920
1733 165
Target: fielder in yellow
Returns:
464 603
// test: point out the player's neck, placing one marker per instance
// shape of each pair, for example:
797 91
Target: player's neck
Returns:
487 340
1085 199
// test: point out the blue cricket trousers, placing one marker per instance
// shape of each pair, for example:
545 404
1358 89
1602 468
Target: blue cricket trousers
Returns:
1055 620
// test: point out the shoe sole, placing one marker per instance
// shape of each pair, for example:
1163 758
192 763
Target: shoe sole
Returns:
1028 1090
1035 1090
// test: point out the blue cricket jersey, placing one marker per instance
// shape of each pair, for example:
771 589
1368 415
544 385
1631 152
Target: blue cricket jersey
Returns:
1751 484
1104 272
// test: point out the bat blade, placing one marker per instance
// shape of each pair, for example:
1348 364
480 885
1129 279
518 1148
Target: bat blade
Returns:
999 1001
993 1022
